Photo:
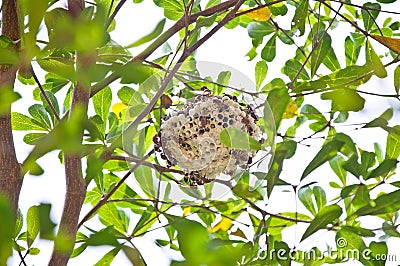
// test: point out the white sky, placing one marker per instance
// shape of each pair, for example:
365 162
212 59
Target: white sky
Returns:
227 47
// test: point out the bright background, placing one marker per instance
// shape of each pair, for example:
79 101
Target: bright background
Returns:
228 47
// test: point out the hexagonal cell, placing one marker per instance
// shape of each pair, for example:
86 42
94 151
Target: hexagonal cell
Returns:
190 137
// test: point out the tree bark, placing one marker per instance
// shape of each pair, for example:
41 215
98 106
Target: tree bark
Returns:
10 170
75 182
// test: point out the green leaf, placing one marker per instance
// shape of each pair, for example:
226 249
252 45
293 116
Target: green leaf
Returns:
260 71
320 52
278 9
257 30
393 144
351 51
236 139
348 241
305 196
396 79
351 77
386 203
352 166
337 166
244 191
300 16
276 225
173 9
33 138
375 62
62 67
23 122
349 148
110 215
192 239
147 219
34 251
383 169
54 103
268 53
102 104
291 68
324 217
380 253
390 229
154 34
38 113
133 72
320 197
106 236
344 100
108 257
369 14
284 150
32 224
7 96
6 229
278 99
381 121
144 176
8 56
134 256
361 196
331 61
327 152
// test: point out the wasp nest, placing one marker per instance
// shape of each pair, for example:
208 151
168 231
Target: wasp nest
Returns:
190 137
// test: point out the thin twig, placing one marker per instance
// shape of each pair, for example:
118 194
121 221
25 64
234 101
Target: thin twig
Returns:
116 10
112 191
42 91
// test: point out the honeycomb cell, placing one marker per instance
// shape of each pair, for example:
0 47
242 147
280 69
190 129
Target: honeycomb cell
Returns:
190 137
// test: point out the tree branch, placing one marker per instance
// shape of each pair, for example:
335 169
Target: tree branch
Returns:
75 183
163 38
10 170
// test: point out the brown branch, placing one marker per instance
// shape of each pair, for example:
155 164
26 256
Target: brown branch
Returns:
112 191
149 107
42 91
163 38
10 170
75 183
112 16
